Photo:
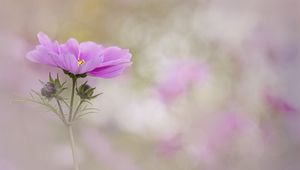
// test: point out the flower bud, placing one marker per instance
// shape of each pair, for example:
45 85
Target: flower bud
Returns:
48 90
86 92
53 88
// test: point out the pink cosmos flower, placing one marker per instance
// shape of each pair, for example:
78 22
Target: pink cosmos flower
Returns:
81 58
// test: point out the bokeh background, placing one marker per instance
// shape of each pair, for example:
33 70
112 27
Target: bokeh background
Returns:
213 85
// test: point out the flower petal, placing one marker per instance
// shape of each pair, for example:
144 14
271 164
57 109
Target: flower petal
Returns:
48 43
109 71
67 62
71 46
90 50
116 53
42 55
90 65
116 60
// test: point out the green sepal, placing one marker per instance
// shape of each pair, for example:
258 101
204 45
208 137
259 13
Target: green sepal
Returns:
56 91
73 76
85 92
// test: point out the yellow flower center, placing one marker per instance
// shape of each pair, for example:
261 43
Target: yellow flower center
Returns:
80 61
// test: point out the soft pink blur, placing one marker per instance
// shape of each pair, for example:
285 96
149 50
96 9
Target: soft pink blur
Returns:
180 77
214 85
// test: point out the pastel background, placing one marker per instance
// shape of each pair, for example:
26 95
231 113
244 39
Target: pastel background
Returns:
213 85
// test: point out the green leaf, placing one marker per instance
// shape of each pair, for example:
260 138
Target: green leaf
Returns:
50 78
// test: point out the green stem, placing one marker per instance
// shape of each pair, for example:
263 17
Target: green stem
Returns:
77 109
61 112
73 147
72 99
72 142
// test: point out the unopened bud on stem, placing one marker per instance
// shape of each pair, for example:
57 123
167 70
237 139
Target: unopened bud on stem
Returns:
48 90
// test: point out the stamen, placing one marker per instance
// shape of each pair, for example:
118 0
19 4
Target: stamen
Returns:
80 61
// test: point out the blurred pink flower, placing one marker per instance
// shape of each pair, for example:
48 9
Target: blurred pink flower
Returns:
220 133
288 118
224 128
278 103
169 145
84 58
105 153
182 75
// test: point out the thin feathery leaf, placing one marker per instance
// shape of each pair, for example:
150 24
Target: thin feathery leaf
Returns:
63 84
87 109
84 114
43 83
86 101
31 95
67 104
35 92
48 106
28 100
50 78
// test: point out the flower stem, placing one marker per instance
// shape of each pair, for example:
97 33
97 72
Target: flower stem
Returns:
77 109
61 112
73 147
72 98
72 142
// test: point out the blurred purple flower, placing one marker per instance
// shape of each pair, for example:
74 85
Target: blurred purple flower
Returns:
169 145
278 103
224 128
180 77
221 132
287 116
81 58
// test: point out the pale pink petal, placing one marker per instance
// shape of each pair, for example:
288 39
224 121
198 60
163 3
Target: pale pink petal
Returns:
116 53
71 46
42 55
90 65
67 62
48 43
89 50
109 71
